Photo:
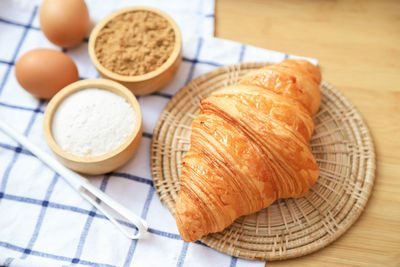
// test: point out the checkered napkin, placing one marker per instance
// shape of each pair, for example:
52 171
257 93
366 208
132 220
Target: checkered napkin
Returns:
43 222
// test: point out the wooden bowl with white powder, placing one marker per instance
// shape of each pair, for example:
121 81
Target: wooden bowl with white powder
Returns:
93 126
139 47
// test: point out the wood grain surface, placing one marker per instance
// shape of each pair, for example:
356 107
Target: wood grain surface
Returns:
357 44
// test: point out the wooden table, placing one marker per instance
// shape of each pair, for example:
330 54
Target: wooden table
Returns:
357 44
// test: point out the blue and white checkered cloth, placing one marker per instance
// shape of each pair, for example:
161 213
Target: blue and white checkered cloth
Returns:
43 222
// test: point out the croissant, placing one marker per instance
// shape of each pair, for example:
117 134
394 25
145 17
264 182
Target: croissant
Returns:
249 146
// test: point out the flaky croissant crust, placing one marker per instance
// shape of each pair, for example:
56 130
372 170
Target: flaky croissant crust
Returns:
249 147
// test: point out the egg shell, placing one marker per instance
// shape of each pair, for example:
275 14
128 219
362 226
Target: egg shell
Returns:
44 72
64 22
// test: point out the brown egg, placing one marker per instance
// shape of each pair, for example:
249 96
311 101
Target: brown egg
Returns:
44 72
64 22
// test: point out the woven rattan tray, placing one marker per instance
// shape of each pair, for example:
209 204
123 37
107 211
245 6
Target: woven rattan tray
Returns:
289 227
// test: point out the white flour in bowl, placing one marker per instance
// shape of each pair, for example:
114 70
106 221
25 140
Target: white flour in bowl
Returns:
92 122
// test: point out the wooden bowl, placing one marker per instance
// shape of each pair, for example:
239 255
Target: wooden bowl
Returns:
96 164
151 81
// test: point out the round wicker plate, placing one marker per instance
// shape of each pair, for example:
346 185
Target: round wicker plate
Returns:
289 227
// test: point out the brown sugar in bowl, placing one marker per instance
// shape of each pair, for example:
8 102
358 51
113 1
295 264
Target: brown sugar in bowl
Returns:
143 83
102 163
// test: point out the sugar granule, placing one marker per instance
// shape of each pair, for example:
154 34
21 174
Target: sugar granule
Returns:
135 43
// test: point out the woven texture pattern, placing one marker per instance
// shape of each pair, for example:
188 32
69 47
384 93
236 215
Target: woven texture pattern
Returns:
288 228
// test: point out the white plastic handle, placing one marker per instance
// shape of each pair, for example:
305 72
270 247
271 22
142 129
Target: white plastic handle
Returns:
139 223
82 185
